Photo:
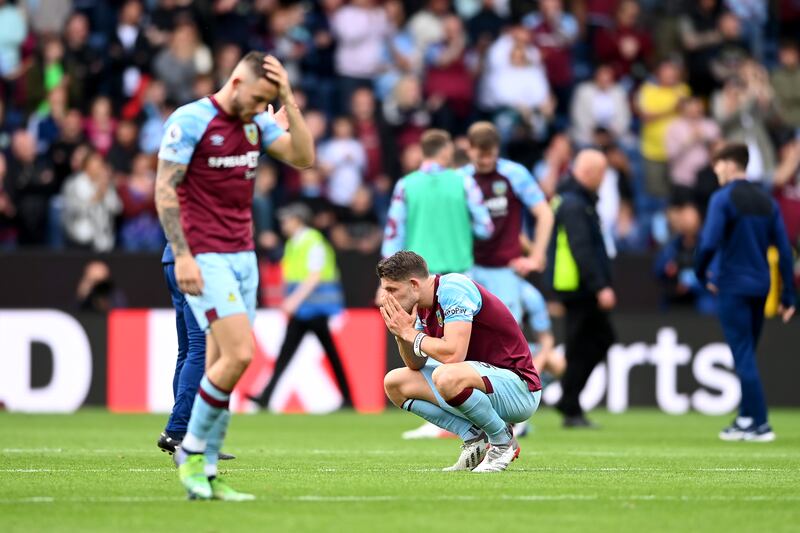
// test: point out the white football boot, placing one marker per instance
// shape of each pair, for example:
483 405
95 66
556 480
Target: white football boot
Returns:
498 457
472 453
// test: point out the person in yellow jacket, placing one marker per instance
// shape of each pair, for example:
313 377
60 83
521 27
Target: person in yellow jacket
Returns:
313 295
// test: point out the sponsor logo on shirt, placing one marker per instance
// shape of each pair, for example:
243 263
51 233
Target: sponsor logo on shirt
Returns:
250 160
217 139
251 132
453 311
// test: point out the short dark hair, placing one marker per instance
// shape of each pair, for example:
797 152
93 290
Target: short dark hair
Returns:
433 141
483 136
402 266
735 152
255 62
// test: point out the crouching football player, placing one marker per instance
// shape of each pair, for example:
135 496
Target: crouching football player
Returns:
468 366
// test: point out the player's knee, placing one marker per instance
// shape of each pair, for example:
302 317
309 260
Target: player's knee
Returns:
242 354
392 384
446 382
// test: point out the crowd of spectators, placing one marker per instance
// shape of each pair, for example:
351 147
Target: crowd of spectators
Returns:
87 84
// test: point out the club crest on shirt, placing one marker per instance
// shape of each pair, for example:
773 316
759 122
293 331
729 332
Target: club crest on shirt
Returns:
499 187
439 318
251 132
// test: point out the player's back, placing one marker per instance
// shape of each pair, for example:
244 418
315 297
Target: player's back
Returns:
439 227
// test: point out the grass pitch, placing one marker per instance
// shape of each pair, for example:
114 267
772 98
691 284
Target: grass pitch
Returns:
643 471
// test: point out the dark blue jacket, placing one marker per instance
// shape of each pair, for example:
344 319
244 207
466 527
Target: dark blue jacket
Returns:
742 222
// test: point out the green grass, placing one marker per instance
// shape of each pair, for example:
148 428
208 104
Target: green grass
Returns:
644 471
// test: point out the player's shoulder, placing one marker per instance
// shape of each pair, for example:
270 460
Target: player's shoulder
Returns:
512 169
468 169
196 114
457 284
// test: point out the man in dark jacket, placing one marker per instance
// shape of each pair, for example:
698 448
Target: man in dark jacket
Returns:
581 276
742 222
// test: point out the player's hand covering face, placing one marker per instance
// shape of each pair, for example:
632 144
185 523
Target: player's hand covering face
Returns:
397 320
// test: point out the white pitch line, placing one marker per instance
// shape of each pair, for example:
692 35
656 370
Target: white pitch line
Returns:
368 469
315 498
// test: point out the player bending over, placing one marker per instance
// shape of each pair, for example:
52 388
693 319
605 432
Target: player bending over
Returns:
204 195
468 366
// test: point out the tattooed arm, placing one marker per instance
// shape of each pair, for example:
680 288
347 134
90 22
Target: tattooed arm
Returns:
187 272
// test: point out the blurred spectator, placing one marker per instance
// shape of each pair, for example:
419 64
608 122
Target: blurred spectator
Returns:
225 59
155 110
786 81
312 195
374 135
674 266
360 28
625 45
32 183
14 30
427 24
600 103
288 40
411 158
358 228
743 109
554 168
266 234
140 229
706 181
786 189
657 104
90 205
405 111
514 84
554 32
752 14
10 121
47 17
700 36
83 64
484 26
129 53
100 125
688 140
70 135
8 211
789 18
448 80
181 61
731 52
45 124
401 55
96 290
125 147
343 160
44 73
319 75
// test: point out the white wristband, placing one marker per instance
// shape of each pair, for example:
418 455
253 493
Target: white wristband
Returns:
418 344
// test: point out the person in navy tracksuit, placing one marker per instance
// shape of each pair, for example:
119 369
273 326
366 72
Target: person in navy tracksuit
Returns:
742 222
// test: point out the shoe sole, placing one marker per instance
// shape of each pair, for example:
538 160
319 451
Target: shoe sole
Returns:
769 437
728 437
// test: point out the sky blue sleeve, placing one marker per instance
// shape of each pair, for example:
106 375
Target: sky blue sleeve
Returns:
482 225
394 235
270 131
182 132
459 298
535 307
522 182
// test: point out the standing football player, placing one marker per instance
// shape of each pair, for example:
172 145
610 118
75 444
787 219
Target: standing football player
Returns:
204 192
